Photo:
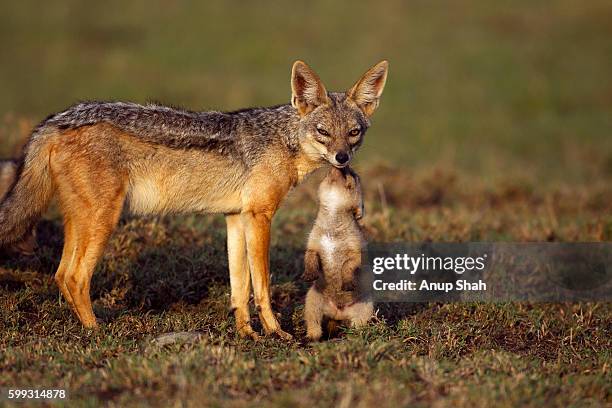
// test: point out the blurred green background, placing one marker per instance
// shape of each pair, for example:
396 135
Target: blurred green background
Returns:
492 88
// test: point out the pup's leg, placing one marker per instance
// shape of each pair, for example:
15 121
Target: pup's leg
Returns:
318 306
312 266
313 314
349 270
240 277
358 313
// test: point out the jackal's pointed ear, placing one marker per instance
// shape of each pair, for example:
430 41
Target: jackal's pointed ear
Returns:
307 89
366 92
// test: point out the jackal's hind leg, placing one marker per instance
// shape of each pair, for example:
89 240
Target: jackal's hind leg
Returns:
68 259
90 196
78 277
85 250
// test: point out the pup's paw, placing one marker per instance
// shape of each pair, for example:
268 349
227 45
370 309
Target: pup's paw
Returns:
314 334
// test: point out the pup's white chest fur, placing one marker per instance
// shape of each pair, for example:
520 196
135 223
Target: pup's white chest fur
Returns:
333 200
328 247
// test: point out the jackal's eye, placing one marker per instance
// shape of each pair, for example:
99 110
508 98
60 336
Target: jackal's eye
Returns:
322 131
355 132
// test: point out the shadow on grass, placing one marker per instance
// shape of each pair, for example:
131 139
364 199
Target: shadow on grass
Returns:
145 276
50 239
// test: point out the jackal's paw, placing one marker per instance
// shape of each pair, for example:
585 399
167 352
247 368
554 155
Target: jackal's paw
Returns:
91 324
279 333
246 332
254 336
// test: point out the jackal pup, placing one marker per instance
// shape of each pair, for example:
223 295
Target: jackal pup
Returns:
333 255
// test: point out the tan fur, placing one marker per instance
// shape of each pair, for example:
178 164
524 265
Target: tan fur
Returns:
333 255
240 275
262 194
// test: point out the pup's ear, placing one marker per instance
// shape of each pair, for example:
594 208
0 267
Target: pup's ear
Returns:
307 89
366 92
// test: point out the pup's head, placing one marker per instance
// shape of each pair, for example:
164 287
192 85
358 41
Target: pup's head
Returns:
340 191
333 124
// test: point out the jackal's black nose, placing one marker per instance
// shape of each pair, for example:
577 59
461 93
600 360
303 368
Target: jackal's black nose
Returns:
342 157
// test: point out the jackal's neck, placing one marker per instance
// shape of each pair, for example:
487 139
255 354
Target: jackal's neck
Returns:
304 165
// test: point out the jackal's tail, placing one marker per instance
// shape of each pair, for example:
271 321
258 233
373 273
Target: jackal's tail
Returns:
30 194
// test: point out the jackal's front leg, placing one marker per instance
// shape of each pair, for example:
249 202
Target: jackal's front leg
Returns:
257 232
240 277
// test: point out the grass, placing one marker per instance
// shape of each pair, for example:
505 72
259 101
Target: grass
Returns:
164 275
494 126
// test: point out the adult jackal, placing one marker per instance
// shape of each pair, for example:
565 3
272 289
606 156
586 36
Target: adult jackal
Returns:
95 157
